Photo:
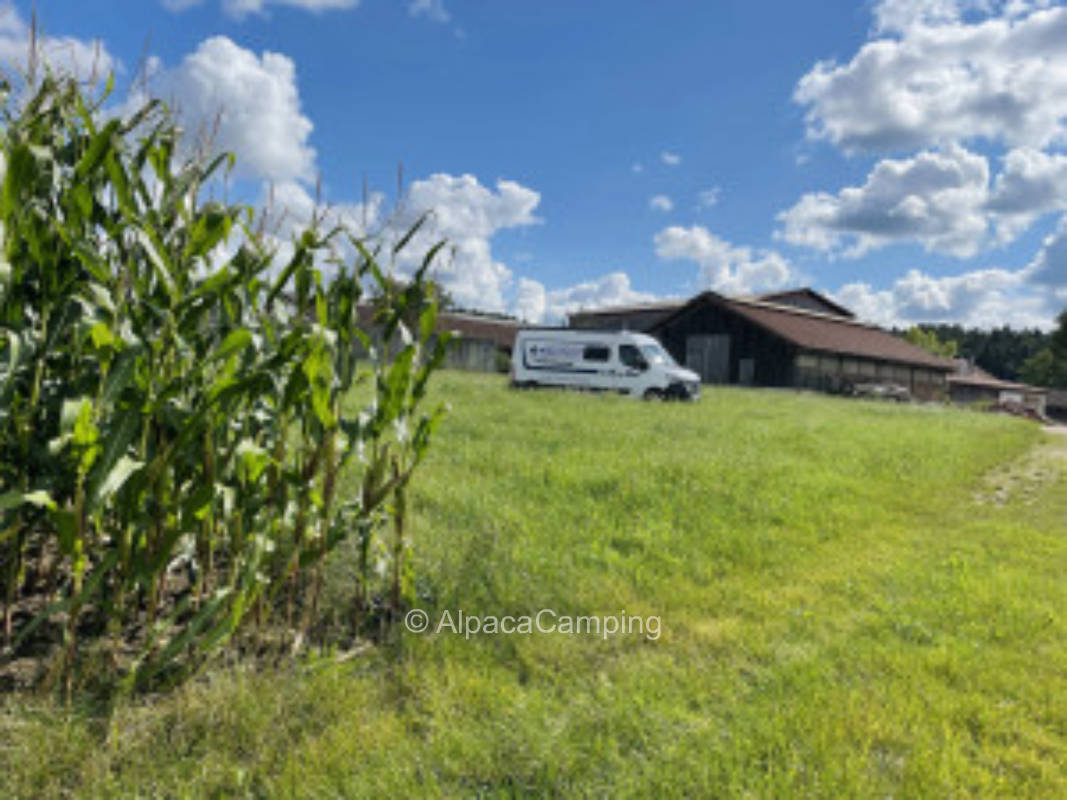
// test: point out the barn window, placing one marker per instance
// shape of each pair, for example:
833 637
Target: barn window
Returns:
868 368
805 361
596 352
885 372
902 374
829 365
850 366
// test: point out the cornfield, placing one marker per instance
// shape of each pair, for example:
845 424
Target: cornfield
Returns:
172 429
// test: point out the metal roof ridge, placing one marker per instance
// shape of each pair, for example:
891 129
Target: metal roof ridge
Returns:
632 307
823 298
805 312
490 317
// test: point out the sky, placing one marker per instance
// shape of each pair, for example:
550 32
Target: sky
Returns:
907 157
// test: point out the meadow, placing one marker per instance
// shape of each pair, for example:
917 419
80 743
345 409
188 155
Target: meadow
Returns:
856 599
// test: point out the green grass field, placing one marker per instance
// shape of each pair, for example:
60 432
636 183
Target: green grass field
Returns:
856 600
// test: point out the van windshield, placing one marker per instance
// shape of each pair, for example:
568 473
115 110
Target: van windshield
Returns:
655 354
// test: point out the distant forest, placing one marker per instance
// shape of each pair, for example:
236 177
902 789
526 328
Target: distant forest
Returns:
1000 351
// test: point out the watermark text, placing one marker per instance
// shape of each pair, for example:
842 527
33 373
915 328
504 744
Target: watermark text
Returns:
545 621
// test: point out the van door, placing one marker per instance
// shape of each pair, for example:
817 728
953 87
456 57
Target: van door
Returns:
598 366
632 369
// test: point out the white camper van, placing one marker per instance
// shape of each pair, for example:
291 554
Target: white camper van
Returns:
615 361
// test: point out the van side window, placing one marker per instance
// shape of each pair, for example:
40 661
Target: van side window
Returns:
631 357
596 352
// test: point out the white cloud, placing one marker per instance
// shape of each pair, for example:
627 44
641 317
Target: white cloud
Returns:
898 16
935 198
432 9
1030 184
245 104
943 200
77 57
239 9
1048 269
724 267
468 215
708 198
287 209
290 208
464 207
946 76
535 304
670 159
462 211
637 168
1028 297
980 298
660 202
985 298
531 301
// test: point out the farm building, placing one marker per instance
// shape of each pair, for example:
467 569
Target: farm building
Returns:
795 339
481 342
808 299
972 385
1056 404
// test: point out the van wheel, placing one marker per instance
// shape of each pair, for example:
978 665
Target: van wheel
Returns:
653 394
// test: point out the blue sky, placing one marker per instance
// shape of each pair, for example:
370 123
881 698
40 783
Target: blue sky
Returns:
906 156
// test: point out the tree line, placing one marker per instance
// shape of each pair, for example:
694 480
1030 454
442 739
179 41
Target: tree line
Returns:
1029 355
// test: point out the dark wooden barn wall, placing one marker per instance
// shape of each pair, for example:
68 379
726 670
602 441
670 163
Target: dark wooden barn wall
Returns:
773 356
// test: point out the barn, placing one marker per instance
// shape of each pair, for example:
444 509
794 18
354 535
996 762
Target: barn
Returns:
1056 405
480 341
798 338
972 385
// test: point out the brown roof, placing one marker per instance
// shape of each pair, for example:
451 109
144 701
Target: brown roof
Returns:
831 333
976 376
499 330
639 316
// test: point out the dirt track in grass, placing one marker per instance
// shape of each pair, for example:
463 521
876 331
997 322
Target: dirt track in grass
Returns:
1025 477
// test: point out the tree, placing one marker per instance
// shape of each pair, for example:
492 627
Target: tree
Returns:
1048 367
929 341
1059 337
1042 369
999 351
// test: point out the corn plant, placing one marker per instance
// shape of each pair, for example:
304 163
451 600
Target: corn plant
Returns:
173 421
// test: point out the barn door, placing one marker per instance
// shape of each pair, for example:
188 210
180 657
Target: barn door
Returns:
709 357
746 371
